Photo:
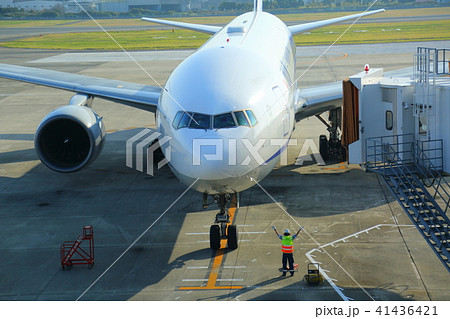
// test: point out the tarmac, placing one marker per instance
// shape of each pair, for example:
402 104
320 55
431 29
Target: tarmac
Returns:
352 225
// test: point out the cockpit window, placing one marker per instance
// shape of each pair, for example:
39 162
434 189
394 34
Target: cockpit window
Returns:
201 121
224 121
185 120
251 117
177 119
241 118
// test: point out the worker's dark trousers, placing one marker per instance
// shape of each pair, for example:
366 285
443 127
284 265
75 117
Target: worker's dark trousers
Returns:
288 257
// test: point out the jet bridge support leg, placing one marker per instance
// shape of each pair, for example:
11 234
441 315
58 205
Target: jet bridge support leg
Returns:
224 229
332 147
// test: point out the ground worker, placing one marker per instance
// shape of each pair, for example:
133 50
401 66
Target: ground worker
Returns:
287 247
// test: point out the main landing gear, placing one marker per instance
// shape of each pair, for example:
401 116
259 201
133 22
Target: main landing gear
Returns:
332 147
224 229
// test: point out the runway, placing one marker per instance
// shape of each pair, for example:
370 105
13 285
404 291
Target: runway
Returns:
353 226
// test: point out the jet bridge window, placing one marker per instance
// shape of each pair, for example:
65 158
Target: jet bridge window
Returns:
389 120
224 121
201 121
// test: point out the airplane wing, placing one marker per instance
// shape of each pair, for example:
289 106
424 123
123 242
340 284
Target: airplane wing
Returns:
299 28
140 96
190 26
318 99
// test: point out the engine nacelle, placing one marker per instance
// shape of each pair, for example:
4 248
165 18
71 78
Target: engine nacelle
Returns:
69 138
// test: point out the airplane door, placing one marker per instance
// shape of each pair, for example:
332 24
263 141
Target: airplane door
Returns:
377 113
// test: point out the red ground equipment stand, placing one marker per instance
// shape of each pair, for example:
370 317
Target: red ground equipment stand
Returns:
73 253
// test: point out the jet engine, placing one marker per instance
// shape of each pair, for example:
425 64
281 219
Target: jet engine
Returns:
69 138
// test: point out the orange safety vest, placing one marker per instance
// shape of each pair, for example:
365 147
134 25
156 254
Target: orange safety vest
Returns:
287 244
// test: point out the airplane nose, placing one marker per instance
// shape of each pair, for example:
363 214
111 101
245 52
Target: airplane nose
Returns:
210 157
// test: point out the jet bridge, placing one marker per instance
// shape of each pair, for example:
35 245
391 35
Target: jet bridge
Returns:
413 101
397 126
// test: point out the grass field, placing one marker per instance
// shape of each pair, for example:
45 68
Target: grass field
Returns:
379 33
135 40
183 39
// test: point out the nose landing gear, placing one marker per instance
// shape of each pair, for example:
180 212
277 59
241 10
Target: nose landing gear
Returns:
225 230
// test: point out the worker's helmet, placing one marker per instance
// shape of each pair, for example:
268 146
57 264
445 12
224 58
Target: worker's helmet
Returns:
287 232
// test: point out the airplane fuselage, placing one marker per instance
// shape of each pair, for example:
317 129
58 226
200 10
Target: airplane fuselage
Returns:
227 110
229 107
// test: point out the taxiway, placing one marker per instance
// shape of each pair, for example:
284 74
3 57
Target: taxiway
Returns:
353 226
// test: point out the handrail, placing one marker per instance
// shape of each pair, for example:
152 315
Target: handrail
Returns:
427 169
405 171
404 150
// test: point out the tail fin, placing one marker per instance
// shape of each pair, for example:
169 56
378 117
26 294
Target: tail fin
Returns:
258 6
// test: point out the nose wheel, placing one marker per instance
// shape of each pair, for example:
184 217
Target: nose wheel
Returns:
224 229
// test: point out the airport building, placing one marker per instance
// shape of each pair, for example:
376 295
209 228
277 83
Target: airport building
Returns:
102 5
28 5
6 4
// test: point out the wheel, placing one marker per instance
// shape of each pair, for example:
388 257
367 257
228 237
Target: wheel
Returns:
214 237
232 237
323 147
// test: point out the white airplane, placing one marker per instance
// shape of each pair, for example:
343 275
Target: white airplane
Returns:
229 109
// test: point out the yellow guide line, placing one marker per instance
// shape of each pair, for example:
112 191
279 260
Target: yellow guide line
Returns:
218 259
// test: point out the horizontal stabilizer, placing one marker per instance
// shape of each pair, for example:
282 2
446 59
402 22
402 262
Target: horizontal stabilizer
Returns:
190 26
295 29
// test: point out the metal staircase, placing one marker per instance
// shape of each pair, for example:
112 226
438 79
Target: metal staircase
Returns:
414 178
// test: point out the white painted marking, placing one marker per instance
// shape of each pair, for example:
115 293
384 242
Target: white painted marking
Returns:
196 280
244 232
207 241
207 267
207 226
323 272
252 232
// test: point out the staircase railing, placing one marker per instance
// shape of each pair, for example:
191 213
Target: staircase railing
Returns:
430 174
408 169
384 150
420 206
